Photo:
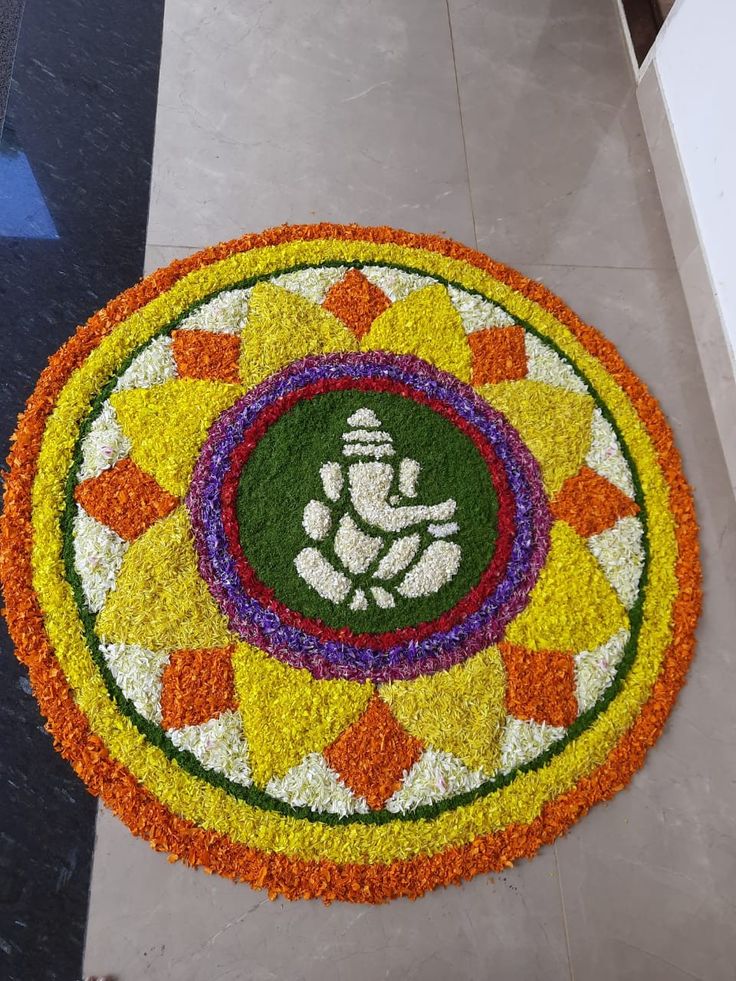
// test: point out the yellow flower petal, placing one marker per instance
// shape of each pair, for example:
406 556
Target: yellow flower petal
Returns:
160 601
427 325
287 713
460 711
283 327
167 425
572 607
555 424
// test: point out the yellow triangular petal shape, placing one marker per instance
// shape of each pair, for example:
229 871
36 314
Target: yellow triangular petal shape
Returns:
287 713
160 601
554 424
427 325
461 711
167 425
572 607
283 327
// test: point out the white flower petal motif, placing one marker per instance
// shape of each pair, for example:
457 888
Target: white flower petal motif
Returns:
322 576
315 785
434 776
153 366
621 556
316 520
219 745
225 314
359 600
476 312
398 557
523 741
545 365
98 556
138 673
605 456
354 548
595 670
313 283
438 564
104 445
396 283
332 480
384 599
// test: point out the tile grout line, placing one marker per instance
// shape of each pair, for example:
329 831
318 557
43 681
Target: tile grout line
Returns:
564 914
462 125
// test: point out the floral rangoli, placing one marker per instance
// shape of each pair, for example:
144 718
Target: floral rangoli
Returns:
348 562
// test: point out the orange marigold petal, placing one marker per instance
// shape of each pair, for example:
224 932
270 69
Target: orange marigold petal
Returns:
499 354
356 301
540 685
373 754
125 498
207 356
590 503
197 685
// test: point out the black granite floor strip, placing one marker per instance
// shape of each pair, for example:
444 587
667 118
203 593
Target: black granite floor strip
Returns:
11 12
75 167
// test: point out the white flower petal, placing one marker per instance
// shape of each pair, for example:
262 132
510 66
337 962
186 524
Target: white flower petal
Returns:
476 312
621 556
226 313
138 673
595 670
219 745
524 741
104 445
396 283
98 556
153 366
435 776
313 283
605 456
312 783
545 365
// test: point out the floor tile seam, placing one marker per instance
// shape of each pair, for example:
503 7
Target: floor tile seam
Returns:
462 123
564 913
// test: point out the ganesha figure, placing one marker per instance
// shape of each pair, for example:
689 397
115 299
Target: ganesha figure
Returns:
377 544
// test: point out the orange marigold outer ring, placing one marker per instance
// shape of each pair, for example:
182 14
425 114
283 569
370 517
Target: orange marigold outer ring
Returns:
144 815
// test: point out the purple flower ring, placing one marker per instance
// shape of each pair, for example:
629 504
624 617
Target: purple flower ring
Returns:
260 613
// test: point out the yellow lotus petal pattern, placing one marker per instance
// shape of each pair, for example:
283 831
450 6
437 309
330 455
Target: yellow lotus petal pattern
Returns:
573 607
427 325
283 327
160 601
460 711
554 423
168 423
287 713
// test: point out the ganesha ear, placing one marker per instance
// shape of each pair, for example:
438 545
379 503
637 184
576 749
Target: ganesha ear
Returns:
332 480
408 475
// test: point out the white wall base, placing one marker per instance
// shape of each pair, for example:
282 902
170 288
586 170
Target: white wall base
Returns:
710 333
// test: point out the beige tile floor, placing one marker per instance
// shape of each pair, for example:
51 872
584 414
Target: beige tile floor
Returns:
510 124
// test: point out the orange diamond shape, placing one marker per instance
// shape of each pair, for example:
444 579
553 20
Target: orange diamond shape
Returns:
207 356
197 685
125 498
356 301
540 685
589 503
373 754
499 354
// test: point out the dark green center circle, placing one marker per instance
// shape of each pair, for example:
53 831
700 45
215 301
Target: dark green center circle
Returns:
282 476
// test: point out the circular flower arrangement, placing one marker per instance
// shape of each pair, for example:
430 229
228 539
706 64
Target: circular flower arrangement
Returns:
348 562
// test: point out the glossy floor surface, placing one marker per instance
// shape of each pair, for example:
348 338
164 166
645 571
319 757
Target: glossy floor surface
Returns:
514 127
74 170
